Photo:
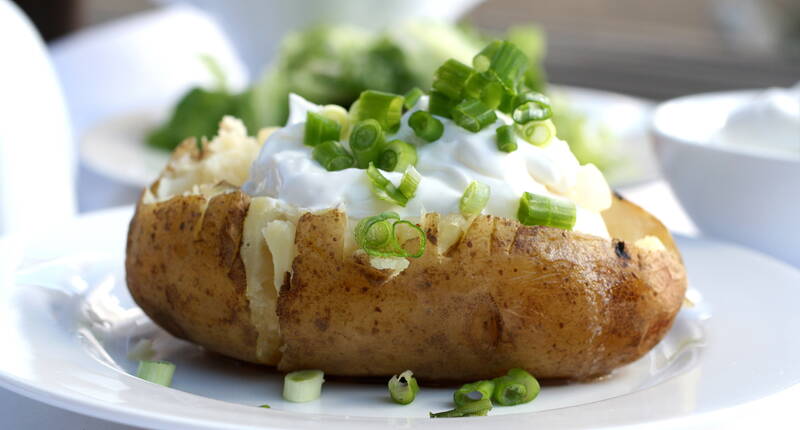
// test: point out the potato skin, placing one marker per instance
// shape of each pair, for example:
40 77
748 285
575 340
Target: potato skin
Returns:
184 270
557 303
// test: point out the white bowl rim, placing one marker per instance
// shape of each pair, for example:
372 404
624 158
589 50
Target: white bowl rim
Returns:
663 133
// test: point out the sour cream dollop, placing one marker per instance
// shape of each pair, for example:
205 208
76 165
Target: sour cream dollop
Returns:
769 123
285 170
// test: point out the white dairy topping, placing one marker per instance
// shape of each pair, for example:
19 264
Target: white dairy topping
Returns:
768 123
285 170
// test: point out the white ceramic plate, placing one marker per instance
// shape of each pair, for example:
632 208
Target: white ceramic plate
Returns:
115 147
67 317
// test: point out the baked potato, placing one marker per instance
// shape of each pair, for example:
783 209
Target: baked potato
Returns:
261 281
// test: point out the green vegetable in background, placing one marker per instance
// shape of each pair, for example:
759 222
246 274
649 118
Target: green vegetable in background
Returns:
330 64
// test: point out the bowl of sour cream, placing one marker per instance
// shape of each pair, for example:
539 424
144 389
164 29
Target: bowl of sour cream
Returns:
733 160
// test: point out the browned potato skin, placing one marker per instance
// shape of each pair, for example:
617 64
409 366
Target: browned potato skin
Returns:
557 303
184 270
505 296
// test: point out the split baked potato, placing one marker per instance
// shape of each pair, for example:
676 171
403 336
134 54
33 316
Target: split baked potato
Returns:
250 278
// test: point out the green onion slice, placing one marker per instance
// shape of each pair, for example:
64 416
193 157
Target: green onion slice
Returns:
474 199
377 236
451 78
425 126
473 115
531 96
157 372
396 156
505 60
383 188
537 133
412 97
338 114
403 388
473 392
515 388
535 209
366 140
409 182
303 385
470 409
506 138
332 156
386 108
265 406
320 129
441 105
531 111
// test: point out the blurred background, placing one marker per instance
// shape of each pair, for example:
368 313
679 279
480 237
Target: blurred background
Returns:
138 75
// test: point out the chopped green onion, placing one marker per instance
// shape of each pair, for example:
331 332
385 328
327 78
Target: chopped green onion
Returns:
474 199
508 391
537 133
451 78
338 114
409 182
473 392
515 388
320 129
332 156
505 60
440 104
303 385
375 233
531 111
470 409
265 406
396 156
383 188
386 108
366 141
425 126
473 115
493 95
536 209
157 372
403 388
377 236
531 96
506 138
412 97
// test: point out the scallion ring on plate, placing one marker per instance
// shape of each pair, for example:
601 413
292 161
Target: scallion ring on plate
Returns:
469 409
515 388
473 392
157 372
403 388
303 385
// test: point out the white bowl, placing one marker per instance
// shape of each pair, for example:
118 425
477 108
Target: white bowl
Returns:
731 193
